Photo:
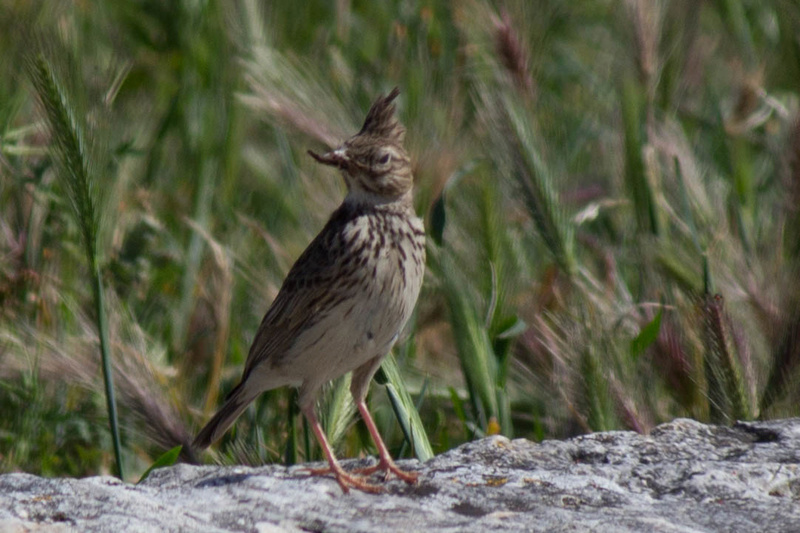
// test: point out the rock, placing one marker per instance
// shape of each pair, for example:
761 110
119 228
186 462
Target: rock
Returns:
684 477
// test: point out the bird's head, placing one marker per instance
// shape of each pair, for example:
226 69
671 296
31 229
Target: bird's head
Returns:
374 163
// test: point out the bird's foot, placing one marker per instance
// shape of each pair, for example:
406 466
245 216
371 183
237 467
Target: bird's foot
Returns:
388 467
346 481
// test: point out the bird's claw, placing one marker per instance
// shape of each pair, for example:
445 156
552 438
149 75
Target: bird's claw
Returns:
346 481
389 468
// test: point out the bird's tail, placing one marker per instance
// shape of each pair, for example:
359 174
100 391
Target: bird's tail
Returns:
236 402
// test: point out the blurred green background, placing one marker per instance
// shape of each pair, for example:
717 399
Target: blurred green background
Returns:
611 191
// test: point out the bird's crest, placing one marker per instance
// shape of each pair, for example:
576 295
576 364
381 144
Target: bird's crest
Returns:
380 121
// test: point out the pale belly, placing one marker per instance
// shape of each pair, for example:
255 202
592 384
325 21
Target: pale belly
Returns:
359 329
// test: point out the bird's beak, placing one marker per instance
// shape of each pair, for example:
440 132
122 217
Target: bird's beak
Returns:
335 158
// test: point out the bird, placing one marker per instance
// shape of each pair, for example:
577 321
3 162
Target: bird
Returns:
348 296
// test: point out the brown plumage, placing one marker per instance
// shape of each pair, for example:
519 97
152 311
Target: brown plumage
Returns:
349 294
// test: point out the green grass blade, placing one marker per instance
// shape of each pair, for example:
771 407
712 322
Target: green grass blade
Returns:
167 458
636 180
536 180
405 410
69 147
290 456
108 378
460 412
596 397
478 361
647 336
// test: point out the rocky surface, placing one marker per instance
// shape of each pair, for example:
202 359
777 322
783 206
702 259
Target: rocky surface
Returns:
683 477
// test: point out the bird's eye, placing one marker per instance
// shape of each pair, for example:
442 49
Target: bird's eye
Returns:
384 159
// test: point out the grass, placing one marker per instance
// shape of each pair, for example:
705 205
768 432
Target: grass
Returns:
71 155
610 190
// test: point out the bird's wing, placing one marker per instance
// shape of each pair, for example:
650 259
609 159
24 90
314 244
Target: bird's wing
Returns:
307 294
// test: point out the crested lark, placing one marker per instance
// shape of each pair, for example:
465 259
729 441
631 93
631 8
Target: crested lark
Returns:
349 294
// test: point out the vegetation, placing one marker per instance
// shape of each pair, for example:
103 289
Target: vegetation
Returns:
611 190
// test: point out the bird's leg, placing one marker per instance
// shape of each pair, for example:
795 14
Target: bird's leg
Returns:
359 385
385 461
345 480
